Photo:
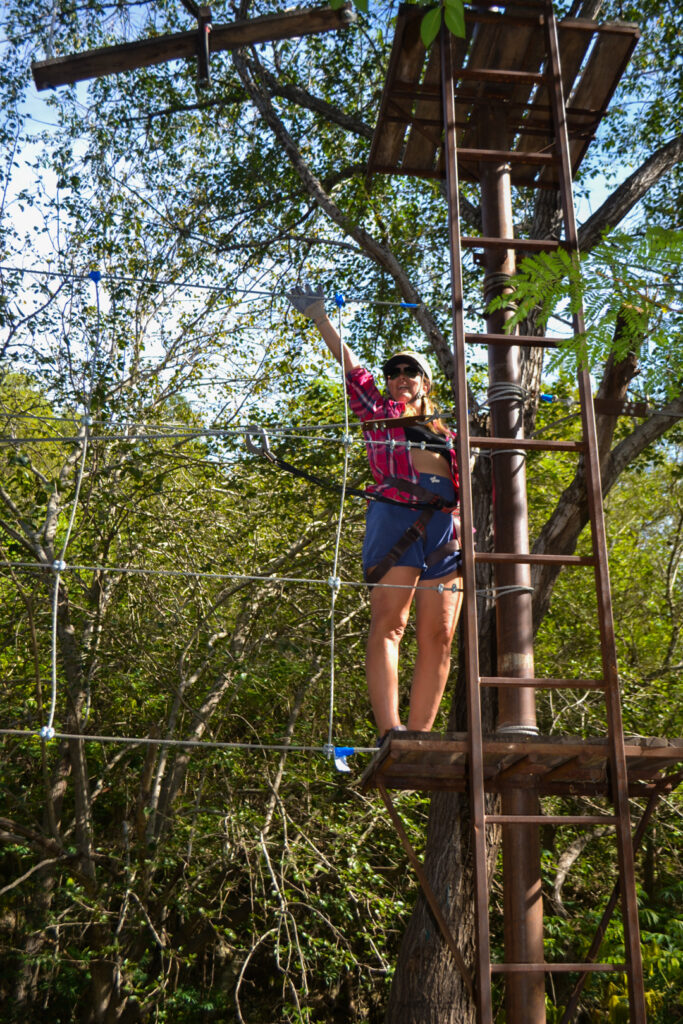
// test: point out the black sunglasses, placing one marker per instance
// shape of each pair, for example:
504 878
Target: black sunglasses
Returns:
403 371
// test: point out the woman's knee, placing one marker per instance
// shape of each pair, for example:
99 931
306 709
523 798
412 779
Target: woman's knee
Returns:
436 634
388 627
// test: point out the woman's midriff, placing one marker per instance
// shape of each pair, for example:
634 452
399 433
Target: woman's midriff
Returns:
430 462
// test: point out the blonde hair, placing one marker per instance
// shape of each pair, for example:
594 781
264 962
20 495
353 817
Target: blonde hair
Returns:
428 409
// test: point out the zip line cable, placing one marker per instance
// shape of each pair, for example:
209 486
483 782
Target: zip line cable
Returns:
195 285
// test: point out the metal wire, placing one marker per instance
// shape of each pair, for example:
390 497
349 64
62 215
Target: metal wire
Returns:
151 741
334 579
197 574
60 563
66 275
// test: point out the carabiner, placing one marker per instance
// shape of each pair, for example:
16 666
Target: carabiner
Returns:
263 448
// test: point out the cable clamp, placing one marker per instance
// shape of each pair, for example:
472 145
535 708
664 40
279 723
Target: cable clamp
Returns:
328 749
86 420
59 565
347 440
47 733
334 582
392 443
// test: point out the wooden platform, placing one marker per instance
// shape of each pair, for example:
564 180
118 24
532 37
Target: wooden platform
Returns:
556 765
499 69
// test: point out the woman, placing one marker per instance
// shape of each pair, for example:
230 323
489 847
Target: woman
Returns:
410 462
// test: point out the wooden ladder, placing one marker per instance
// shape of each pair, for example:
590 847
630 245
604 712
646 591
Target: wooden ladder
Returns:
550 80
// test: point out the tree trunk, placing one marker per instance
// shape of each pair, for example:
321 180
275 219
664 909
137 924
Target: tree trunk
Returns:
427 986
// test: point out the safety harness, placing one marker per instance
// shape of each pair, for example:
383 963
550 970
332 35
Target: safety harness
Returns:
258 444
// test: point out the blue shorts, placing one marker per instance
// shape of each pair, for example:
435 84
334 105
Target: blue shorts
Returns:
385 525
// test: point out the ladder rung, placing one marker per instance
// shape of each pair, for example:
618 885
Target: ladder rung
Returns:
523 559
510 339
529 244
533 443
512 156
543 684
500 75
494 16
556 968
550 819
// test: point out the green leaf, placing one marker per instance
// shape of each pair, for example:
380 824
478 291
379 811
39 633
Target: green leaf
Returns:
454 16
430 25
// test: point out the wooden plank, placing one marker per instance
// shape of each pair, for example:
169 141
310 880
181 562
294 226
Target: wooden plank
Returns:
506 46
405 68
562 764
423 143
600 77
574 44
113 60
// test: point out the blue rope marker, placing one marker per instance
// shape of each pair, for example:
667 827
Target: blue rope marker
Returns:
95 276
339 299
339 754
409 305
547 398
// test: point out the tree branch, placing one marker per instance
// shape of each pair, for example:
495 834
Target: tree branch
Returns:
562 530
381 255
305 99
631 191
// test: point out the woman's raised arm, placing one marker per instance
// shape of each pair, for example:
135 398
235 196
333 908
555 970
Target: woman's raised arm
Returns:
312 304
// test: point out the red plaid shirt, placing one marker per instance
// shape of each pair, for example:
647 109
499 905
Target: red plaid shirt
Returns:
386 460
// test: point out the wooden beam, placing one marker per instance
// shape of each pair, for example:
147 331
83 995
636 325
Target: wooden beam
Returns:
112 60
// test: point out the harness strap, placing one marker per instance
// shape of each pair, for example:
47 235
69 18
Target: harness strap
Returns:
421 493
414 532
257 444
448 548
417 530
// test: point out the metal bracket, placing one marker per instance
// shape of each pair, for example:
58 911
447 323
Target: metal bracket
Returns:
203 48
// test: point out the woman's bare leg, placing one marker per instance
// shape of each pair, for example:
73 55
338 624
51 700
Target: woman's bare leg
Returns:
437 616
389 608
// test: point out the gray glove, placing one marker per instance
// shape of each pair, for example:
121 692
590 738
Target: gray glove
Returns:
307 301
